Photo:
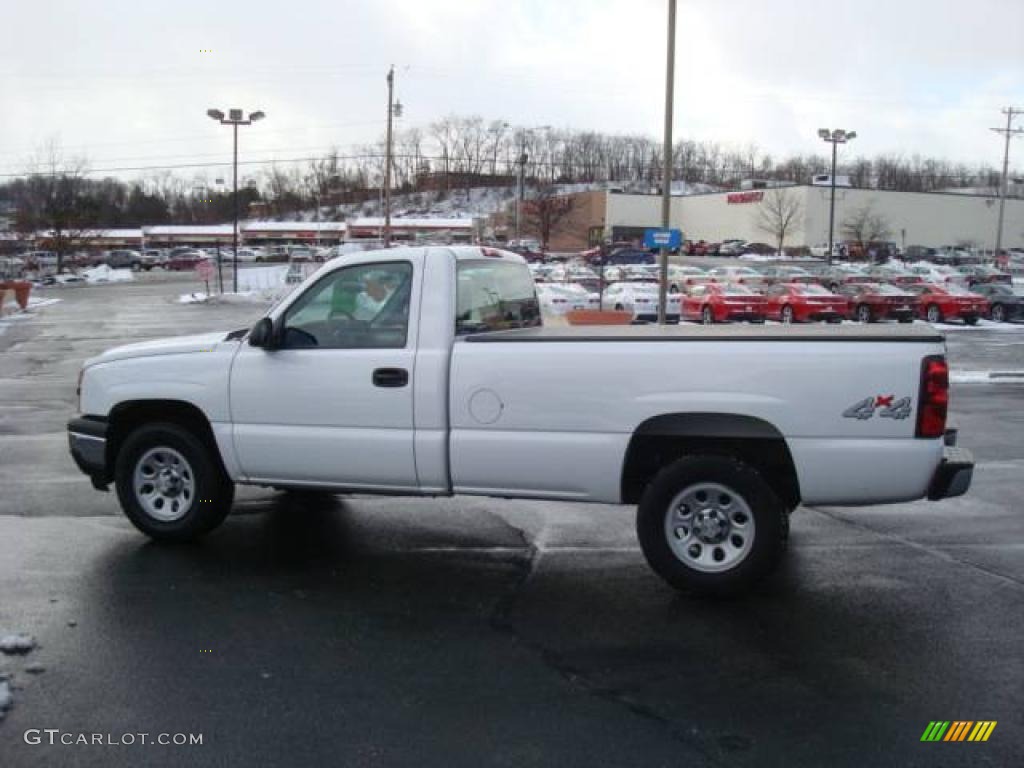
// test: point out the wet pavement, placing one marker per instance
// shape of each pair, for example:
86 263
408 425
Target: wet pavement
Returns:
365 631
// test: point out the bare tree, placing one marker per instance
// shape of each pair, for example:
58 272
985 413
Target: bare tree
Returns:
864 226
546 209
56 200
779 214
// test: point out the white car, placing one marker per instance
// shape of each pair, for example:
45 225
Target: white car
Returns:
455 387
939 274
560 298
737 274
642 300
251 254
681 275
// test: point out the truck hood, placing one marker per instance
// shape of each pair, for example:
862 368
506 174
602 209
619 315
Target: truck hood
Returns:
173 345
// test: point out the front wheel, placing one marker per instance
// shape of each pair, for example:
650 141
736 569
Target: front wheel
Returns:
998 313
171 484
707 316
711 525
864 313
933 314
970 320
787 314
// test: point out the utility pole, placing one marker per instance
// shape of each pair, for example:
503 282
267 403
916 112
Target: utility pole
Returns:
1009 132
520 184
387 160
666 173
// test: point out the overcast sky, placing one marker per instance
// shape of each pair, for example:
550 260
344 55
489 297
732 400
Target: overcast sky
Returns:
126 82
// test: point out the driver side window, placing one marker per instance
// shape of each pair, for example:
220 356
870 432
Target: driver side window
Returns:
359 307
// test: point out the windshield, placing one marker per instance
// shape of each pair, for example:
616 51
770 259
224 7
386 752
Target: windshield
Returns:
813 290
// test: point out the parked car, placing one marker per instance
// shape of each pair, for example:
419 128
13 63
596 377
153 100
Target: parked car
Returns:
181 260
801 303
918 253
738 275
981 274
722 303
121 258
731 247
1005 304
642 300
938 273
153 258
891 273
834 275
871 302
559 298
941 303
629 256
785 274
681 275
454 407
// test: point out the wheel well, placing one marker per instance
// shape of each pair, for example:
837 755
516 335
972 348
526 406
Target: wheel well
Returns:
125 417
661 440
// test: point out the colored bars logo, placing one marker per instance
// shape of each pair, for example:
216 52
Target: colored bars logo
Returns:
958 730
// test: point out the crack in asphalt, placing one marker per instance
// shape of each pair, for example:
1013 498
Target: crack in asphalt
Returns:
501 621
934 551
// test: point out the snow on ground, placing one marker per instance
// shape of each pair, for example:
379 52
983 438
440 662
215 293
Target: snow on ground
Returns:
17 643
104 274
242 297
983 325
36 303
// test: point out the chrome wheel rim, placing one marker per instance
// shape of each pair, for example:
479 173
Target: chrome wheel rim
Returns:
864 314
706 316
164 484
933 314
997 313
709 527
787 315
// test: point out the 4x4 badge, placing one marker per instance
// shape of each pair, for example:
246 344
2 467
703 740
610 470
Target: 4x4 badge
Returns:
887 406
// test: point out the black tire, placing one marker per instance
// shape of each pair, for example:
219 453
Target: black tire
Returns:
997 313
906 319
748 490
206 505
970 321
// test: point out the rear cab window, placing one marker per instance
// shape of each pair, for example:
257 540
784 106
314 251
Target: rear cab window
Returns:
494 295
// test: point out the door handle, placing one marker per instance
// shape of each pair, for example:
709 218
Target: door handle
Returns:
390 377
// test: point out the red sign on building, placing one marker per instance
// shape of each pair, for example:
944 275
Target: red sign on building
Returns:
745 197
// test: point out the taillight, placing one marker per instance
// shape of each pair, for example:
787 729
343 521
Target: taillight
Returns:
933 398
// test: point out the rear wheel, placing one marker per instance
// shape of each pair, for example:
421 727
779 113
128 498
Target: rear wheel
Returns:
711 525
171 484
997 313
971 320
933 314
787 314
707 316
864 313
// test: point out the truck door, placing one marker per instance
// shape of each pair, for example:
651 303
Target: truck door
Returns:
333 402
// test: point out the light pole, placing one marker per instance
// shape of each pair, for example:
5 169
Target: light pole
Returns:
1009 132
394 110
835 138
521 181
666 174
235 118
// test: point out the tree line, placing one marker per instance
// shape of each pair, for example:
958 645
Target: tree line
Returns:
448 154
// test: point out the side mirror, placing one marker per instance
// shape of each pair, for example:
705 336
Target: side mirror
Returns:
262 334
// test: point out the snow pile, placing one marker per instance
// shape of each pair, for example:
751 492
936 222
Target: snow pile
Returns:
104 274
17 643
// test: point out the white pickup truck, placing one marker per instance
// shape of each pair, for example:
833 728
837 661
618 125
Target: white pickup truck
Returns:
427 371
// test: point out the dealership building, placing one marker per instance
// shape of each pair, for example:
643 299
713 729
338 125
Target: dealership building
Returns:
913 218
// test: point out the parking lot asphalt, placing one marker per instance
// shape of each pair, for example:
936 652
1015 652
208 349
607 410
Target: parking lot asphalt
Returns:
372 631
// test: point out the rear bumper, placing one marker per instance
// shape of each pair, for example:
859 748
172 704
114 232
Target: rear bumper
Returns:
953 475
87 440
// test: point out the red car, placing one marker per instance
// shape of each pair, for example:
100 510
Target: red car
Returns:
722 303
792 303
870 302
938 303
184 260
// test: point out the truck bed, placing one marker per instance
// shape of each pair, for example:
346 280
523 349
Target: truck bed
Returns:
911 333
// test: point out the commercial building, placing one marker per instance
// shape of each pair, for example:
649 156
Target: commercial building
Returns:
912 218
